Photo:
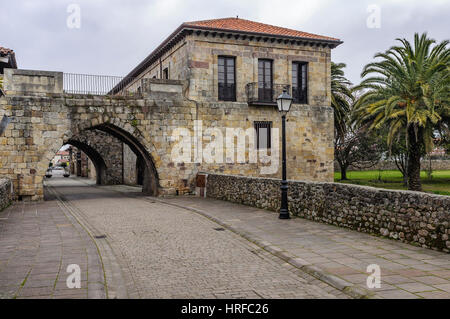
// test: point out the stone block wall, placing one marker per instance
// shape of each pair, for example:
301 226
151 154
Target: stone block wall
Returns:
309 139
205 50
42 122
129 166
5 193
411 217
16 80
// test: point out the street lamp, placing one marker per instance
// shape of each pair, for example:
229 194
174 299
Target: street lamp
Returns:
284 102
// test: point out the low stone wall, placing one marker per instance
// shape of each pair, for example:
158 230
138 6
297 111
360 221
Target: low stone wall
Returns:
436 165
411 217
5 193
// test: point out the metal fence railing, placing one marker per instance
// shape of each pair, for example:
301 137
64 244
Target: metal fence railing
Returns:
256 94
93 84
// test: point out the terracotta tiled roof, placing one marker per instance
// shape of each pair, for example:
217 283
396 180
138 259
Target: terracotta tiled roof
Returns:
242 25
5 51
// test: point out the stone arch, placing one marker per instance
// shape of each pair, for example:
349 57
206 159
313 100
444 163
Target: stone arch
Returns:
151 179
133 137
110 150
118 128
94 156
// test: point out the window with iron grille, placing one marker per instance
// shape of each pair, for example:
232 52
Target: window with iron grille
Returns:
300 82
263 135
227 82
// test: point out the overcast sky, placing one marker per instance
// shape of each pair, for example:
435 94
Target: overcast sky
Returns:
115 35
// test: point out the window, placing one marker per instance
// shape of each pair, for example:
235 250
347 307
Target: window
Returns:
265 82
227 83
300 82
166 73
263 135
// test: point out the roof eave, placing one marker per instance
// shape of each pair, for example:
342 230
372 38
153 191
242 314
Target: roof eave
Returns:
335 42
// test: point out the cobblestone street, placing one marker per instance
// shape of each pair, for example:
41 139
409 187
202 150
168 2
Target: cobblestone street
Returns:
147 250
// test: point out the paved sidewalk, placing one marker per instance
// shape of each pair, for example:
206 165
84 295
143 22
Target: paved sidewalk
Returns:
406 271
38 241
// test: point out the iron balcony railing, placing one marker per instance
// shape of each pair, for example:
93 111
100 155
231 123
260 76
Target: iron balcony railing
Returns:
257 95
98 84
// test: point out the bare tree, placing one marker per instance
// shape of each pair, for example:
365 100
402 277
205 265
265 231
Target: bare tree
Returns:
359 148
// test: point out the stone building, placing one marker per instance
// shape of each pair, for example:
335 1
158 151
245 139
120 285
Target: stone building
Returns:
61 157
211 108
234 69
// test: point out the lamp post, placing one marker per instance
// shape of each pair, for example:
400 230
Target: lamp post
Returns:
284 102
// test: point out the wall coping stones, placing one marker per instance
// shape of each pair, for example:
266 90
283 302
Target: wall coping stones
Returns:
32 81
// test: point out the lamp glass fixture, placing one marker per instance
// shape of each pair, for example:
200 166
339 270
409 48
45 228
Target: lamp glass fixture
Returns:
284 102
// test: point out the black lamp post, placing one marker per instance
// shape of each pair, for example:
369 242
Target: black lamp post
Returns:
284 102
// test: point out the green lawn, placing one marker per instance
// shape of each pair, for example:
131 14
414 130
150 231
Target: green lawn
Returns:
439 184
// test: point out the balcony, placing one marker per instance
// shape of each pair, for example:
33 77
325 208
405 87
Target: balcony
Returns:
265 96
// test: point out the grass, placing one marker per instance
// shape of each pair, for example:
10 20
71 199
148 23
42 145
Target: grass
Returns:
438 184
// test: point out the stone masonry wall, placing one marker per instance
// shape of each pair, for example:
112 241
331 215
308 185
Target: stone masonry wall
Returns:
410 217
203 58
42 122
309 138
109 148
390 165
196 59
129 166
5 193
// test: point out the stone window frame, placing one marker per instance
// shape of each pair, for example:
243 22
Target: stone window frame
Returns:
300 63
227 56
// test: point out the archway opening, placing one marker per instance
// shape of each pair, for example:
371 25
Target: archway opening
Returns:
94 156
109 148
147 173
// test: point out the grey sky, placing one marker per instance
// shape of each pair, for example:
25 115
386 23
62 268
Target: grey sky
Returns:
116 35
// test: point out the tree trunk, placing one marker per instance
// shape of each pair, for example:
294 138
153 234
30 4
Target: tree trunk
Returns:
401 164
414 153
344 172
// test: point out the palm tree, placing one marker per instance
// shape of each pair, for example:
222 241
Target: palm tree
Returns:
408 92
341 97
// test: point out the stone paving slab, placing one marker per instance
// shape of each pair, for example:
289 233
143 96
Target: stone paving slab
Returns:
38 241
173 252
406 271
